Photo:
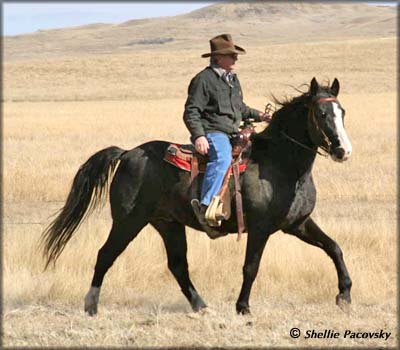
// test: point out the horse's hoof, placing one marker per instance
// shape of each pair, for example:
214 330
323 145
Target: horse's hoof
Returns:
344 302
91 309
243 309
92 300
90 305
199 305
343 297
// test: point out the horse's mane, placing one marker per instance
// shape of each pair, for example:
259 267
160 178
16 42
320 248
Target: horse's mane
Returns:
288 109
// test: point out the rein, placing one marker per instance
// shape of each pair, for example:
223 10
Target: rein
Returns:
311 115
304 146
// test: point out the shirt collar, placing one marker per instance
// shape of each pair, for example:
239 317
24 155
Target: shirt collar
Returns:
220 71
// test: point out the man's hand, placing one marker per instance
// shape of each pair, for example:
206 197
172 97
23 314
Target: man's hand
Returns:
201 145
265 117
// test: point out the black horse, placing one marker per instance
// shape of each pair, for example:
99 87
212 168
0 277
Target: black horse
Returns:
277 188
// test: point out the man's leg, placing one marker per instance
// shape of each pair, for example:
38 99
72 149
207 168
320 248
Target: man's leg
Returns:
220 156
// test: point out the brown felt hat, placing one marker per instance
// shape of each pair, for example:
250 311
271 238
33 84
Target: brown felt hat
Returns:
223 45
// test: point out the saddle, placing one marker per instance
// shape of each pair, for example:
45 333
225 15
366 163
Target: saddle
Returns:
185 157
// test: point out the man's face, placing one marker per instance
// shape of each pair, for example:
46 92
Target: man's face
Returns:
227 62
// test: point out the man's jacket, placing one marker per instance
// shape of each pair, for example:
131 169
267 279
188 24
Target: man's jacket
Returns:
214 105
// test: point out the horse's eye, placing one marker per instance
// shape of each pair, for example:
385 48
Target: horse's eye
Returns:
323 115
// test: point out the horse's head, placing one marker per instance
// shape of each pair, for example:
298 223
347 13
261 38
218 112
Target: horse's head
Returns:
326 121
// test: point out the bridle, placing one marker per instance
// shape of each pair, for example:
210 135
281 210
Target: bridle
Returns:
325 146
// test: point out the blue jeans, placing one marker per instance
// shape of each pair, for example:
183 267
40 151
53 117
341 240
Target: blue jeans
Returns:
220 156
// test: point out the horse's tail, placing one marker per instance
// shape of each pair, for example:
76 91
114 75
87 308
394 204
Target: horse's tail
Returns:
87 192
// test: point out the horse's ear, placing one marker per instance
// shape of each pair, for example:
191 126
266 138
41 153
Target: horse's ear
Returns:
335 87
314 87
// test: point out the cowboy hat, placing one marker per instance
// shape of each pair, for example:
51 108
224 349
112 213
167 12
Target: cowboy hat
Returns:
223 45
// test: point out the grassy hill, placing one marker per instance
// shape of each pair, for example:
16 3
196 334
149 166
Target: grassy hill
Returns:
251 23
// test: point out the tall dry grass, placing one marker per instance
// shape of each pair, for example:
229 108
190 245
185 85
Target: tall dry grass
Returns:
46 142
159 73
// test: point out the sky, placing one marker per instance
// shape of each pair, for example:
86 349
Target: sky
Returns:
22 18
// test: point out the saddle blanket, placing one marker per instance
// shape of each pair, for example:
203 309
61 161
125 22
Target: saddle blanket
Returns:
182 160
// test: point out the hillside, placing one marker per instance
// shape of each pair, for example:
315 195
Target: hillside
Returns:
258 23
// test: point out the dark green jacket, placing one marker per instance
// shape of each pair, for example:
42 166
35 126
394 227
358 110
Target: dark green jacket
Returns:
213 105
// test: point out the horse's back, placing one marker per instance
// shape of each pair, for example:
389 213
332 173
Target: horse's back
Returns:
152 150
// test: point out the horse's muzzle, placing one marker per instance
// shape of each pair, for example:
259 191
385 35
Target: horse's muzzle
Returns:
339 154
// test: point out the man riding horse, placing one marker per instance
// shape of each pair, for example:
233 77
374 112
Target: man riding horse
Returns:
277 187
213 112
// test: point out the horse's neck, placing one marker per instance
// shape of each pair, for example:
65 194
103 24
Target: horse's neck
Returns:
288 145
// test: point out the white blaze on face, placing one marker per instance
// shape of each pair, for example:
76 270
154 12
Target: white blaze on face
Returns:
343 139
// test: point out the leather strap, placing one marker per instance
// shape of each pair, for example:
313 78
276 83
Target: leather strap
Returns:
184 154
194 172
238 200
225 182
225 196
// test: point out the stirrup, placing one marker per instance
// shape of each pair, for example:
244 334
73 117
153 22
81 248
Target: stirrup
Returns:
212 233
214 214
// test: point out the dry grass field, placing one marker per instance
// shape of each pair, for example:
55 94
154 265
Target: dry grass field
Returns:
59 111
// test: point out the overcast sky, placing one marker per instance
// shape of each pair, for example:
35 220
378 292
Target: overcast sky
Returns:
21 18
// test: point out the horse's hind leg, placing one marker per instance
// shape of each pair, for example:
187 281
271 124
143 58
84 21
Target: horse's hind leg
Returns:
122 232
174 237
310 232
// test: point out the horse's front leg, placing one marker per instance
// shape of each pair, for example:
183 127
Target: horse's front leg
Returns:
309 232
255 246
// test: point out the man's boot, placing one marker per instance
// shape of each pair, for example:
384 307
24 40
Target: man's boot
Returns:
200 211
